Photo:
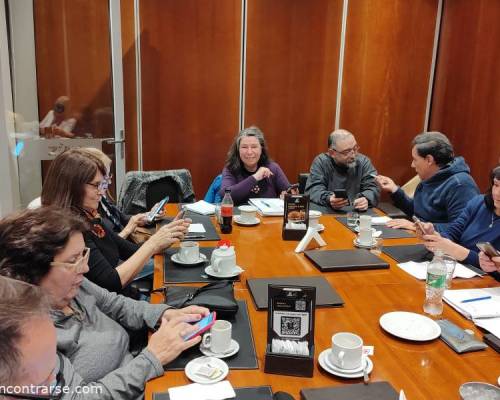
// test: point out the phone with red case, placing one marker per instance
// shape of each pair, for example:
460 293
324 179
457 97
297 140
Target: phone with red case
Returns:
204 325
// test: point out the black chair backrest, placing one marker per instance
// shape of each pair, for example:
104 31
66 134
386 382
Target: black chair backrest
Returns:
161 188
302 181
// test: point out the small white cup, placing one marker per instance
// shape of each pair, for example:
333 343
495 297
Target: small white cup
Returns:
365 222
218 340
189 252
314 218
365 237
248 213
347 350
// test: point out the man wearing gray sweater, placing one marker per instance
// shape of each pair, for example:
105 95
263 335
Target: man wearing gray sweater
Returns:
344 170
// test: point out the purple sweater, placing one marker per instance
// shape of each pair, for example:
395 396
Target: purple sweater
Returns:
244 186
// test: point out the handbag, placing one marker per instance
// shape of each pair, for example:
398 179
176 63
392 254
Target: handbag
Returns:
217 296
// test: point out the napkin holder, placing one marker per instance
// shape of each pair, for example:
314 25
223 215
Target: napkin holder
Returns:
295 216
288 308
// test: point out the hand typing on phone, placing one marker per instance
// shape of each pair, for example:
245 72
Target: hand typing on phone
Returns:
488 264
338 202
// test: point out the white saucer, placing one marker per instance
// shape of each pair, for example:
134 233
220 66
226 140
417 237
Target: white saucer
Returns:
364 246
410 326
233 349
232 274
193 365
344 373
356 229
176 259
239 221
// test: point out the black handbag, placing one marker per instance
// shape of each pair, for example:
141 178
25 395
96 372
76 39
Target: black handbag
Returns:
217 296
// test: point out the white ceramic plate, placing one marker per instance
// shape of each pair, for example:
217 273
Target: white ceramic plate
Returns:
323 357
239 221
233 349
176 259
193 366
232 274
410 326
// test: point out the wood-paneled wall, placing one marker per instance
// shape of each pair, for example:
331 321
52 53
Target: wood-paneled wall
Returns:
190 84
466 100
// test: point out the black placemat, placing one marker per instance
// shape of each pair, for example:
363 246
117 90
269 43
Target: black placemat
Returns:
391 210
246 358
411 252
358 391
342 211
345 260
245 393
177 273
326 295
211 232
387 233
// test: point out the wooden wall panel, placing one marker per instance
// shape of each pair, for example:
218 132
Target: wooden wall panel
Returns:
466 100
291 76
190 84
73 59
386 72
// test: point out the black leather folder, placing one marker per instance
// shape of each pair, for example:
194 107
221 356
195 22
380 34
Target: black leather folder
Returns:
391 210
248 393
411 252
326 295
345 260
358 391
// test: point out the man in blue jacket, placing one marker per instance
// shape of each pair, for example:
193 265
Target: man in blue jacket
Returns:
446 184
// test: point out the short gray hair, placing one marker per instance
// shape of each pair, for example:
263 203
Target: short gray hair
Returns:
435 144
19 302
336 136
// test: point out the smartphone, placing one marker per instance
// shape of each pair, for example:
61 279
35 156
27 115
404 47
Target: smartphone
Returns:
182 214
340 193
488 249
156 209
291 187
204 325
419 224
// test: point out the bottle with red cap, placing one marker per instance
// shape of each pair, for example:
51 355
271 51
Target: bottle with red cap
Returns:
226 212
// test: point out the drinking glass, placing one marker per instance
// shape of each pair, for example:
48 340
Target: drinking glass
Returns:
352 219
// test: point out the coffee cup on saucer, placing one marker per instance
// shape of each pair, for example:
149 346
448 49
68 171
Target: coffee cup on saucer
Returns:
223 260
189 252
314 218
248 214
365 237
218 340
347 350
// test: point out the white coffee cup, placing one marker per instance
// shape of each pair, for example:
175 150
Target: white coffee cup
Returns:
223 260
365 237
365 222
218 340
347 350
314 218
189 252
248 213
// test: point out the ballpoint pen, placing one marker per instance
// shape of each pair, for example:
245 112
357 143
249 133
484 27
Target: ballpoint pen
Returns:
476 299
266 204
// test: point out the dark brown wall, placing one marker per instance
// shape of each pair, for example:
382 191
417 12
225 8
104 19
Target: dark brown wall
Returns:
190 84
291 81
466 101
387 65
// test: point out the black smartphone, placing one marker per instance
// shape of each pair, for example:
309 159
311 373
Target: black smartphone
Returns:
340 193
155 211
488 249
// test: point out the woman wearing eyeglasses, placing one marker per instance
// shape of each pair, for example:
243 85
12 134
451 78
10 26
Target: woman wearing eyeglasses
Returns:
45 247
249 171
76 181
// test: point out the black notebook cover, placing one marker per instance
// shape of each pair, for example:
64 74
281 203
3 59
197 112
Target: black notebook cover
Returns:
248 393
358 391
326 295
345 260
210 231
391 210
412 252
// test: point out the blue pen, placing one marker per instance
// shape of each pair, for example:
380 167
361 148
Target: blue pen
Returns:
266 204
476 299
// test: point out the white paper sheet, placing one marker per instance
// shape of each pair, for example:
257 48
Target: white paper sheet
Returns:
195 391
196 228
419 270
380 220
201 207
492 325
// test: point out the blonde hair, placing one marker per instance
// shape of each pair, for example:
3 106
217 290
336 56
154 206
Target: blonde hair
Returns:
98 154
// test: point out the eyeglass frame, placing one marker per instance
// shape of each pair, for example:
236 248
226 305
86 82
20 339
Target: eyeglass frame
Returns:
346 152
101 186
77 266
60 383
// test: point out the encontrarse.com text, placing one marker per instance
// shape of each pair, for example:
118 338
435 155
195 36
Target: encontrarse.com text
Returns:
44 390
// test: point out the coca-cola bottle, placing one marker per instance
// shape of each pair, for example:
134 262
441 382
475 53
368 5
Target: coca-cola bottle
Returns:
226 212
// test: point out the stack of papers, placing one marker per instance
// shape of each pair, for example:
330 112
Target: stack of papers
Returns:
419 270
201 207
380 220
269 207
480 305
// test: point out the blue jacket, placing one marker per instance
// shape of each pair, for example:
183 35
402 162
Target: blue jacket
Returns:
475 224
213 195
441 198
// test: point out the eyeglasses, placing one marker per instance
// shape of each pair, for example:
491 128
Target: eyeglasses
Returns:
100 186
346 152
78 266
56 390
109 178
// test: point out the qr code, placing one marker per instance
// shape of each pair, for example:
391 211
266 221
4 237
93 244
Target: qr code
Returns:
300 305
290 326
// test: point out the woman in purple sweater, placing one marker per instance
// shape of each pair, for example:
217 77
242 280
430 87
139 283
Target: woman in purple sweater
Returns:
249 172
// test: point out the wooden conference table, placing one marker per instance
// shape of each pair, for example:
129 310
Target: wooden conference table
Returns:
425 371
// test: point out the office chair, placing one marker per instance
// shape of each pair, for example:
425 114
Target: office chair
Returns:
302 181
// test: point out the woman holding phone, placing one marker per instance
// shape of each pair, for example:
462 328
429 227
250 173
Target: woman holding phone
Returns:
478 222
77 181
249 171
